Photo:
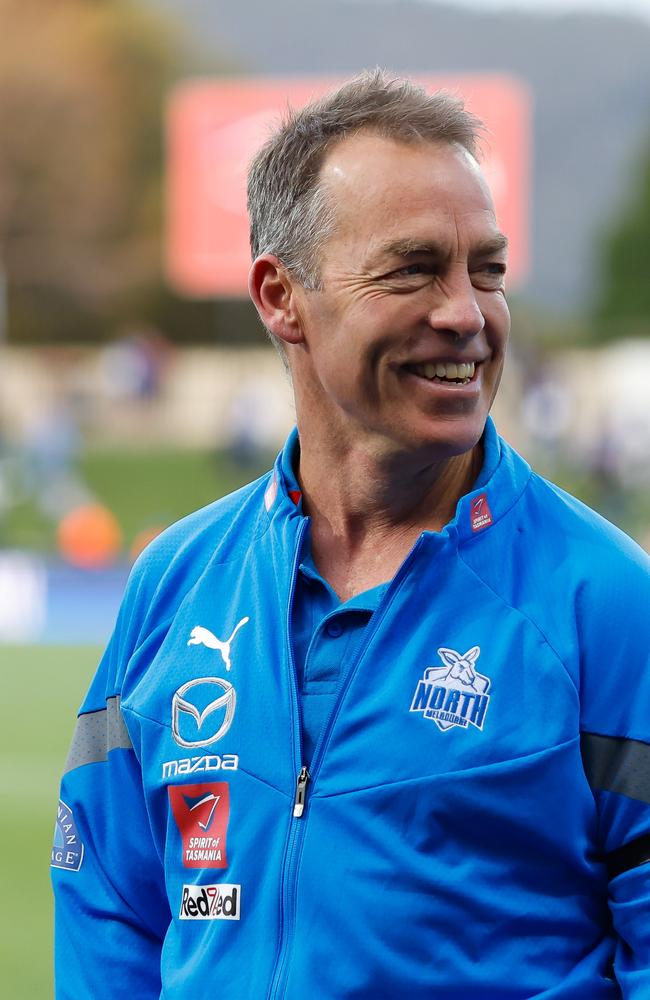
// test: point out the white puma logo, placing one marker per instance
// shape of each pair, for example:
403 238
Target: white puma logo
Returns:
200 636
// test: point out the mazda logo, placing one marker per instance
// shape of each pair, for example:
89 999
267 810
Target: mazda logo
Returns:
212 721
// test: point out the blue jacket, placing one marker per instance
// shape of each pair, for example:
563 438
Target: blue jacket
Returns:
476 820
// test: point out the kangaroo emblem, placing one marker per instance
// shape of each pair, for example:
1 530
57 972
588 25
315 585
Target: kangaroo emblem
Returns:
200 636
461 667
453 694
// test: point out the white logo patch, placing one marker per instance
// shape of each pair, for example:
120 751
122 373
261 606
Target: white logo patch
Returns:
200 636
211 902
454 694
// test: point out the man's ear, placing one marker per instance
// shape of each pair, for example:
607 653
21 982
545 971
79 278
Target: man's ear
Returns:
271 288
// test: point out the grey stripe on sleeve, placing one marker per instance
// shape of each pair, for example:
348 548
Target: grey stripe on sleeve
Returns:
96 734
614 764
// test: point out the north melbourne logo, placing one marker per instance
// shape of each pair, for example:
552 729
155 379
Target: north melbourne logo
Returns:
454 694
202 813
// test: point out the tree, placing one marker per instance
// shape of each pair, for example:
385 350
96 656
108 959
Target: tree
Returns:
81 90
622 307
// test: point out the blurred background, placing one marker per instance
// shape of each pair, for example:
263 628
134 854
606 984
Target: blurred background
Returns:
136 383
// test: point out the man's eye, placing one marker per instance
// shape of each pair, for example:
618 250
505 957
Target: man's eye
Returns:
410 270
495 268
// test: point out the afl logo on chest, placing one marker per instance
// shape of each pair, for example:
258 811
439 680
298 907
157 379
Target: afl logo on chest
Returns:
202 711
453 694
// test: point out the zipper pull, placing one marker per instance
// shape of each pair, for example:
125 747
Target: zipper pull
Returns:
301 793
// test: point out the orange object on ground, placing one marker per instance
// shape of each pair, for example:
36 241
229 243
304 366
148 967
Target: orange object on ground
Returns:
89 536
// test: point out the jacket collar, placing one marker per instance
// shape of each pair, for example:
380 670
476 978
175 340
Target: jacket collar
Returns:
283 495
500 483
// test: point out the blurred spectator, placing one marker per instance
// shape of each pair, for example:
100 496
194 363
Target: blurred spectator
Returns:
253 420
547 410
51 447
135 364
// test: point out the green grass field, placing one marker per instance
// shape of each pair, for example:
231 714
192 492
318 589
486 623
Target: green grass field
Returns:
143 488
42 687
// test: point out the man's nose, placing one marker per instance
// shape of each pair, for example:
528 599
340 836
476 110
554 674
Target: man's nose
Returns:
457 311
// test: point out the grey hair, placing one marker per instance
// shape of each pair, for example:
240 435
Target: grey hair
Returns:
290 213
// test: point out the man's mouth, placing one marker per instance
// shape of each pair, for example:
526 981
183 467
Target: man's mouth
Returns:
445 371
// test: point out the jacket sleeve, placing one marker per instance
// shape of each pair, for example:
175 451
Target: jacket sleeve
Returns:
111 911
615 742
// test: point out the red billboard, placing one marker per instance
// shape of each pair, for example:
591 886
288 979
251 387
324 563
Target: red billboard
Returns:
214 127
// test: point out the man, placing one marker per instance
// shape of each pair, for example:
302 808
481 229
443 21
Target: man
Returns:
377 724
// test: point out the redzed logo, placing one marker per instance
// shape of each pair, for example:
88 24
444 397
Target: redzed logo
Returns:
202 813
480 513
210 902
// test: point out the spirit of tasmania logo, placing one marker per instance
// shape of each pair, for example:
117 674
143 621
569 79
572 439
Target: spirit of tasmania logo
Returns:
201 813
454 694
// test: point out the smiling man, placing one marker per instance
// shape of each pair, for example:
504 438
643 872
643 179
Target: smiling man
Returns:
427 773
397 351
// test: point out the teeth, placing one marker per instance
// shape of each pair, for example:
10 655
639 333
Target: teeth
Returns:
446 370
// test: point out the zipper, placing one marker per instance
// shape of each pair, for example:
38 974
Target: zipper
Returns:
288 885
304 776
300 800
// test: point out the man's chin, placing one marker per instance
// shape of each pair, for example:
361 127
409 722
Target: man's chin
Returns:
446 439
